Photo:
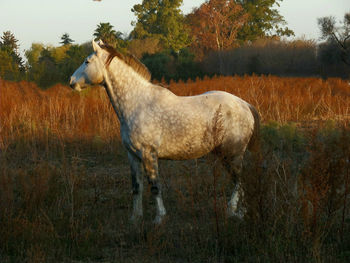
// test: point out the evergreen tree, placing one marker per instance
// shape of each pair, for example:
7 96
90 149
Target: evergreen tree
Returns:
9 41
161 19
66 40
264 20
9 45
8 68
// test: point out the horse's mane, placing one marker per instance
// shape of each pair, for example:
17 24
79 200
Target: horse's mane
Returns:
129 59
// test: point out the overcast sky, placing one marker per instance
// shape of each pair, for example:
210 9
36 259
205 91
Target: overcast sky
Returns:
45 21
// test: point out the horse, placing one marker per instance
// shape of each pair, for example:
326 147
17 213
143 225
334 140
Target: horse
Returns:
157 124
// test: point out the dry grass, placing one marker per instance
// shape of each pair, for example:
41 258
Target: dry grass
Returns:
34 114
281 99
65 184
25 110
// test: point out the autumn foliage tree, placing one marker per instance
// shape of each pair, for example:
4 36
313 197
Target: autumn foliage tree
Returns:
215 24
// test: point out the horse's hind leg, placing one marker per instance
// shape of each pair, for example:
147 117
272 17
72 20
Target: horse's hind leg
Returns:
150 162
137 187
234 166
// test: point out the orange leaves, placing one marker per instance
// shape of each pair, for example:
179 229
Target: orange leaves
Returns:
215 24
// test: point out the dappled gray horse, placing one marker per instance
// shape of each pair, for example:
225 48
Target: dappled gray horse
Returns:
157 124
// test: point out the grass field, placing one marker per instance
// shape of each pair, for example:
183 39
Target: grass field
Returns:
65 189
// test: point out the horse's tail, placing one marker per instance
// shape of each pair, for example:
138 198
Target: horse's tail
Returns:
253 144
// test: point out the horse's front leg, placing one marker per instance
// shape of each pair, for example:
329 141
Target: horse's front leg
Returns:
137 186
150 163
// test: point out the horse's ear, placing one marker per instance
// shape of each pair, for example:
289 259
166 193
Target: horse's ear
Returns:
95 46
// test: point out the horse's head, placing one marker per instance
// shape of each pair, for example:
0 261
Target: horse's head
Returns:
91 71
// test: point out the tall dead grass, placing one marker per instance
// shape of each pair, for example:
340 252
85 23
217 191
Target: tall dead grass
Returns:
25 110
33 114
65 184
281 99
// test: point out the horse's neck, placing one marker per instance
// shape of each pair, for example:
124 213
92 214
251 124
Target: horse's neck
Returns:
125 88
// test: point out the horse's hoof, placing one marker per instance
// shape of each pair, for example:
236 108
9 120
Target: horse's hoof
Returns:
236 213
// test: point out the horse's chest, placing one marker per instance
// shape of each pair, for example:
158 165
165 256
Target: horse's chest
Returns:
136 137
129 139
125 136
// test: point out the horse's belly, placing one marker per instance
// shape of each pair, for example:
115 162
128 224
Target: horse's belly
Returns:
183 151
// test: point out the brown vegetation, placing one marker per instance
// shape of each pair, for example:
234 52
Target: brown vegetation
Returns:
26 110
281 99
65 184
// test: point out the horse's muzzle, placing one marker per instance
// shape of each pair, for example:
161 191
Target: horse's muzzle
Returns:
74 85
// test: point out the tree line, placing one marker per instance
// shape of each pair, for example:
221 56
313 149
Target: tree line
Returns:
218 37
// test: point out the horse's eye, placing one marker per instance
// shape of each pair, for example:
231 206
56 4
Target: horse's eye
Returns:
87 62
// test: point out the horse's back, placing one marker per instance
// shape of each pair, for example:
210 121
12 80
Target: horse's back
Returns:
217 97
228 106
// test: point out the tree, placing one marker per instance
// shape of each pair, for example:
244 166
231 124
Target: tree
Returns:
9 45
8 69
75 55
340 35
34 70
49 65
139 47
158 65
33 54
215 24
66 40
106 33
161 19
264 20
9 41
50 71
169 65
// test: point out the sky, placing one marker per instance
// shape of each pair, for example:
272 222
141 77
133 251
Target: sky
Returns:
45 21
